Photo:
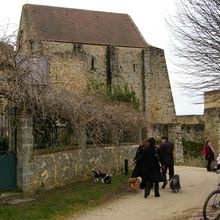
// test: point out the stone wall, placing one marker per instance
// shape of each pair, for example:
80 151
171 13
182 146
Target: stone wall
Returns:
193 132
158 90
190 119
192 127
72 66
212 99
144 71
57 169
24 153
174 134
212 118
212 127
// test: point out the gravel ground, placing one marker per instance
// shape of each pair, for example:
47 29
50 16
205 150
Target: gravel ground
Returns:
196 184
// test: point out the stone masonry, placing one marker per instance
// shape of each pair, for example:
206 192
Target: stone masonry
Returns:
77 57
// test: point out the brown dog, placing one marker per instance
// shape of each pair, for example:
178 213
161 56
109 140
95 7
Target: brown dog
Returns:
134 183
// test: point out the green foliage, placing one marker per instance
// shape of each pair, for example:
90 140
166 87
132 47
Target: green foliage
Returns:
65 201
116 92
193 149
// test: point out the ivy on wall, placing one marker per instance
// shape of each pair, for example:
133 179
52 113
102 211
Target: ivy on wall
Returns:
122 93
193 149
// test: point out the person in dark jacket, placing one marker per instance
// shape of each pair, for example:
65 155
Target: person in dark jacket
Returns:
210 154
138 159
150 172
167 161
148 166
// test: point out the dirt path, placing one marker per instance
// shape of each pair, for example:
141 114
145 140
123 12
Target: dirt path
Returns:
196 184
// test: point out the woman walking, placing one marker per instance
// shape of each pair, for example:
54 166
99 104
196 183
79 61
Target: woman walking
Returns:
152 174
210 154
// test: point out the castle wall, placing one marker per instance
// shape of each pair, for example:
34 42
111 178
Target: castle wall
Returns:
92 62
160 105
72 66
143 70
212 118
190 119
192 127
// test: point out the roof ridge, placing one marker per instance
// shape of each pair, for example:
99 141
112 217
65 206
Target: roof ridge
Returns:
85 26
59 7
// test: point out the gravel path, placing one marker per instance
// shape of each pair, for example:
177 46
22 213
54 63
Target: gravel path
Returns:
196 184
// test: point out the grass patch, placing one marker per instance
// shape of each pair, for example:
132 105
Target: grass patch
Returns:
65 201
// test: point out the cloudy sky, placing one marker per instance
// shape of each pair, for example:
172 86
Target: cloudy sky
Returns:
148 15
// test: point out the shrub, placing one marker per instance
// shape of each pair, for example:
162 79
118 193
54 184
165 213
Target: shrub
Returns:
192 149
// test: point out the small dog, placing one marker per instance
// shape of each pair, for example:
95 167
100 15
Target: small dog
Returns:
175 183
134 183
101 177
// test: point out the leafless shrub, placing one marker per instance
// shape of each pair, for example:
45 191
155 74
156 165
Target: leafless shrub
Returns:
25 85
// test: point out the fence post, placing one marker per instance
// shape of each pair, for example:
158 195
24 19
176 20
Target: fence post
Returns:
126 166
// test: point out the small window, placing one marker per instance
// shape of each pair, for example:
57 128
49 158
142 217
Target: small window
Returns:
77 48
134 67
31 45
93 63
74 47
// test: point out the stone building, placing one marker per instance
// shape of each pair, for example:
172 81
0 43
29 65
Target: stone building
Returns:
108 47
88 45
84 45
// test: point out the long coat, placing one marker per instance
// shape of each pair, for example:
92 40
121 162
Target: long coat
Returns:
209 153
148 166
138 162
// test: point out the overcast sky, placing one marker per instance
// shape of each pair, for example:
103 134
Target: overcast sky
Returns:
148 15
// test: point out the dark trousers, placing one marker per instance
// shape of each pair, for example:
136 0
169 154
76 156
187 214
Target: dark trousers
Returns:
149 186
209 165
170 167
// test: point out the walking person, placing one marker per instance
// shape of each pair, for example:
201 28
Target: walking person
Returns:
167 160
210 154
138 159
151 174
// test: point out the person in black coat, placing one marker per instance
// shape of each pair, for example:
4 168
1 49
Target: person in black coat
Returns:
210 154
167 161
138 169
151 175
148 167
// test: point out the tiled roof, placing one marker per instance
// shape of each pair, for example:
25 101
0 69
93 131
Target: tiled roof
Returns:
84 26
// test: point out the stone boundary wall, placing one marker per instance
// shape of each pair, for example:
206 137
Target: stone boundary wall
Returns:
192 127
212 99
212 127
190 119
61 168
193 132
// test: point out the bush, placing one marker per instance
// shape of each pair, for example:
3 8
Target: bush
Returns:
192 149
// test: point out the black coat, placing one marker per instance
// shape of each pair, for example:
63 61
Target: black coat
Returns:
166 153
138 162
148 166
209 153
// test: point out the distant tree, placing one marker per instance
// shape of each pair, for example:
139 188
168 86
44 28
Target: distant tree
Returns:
197 44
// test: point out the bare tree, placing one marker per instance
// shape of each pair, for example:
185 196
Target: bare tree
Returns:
197 44
25 85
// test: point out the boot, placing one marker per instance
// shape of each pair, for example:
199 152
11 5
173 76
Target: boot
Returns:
146 192
147 189
157 194
156 190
